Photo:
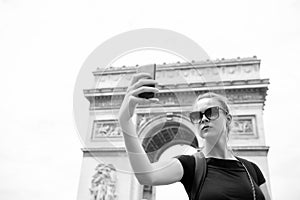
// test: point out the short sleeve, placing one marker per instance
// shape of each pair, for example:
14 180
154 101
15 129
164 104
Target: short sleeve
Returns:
188 164
260 177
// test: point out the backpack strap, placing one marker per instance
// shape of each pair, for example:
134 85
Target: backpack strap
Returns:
199 175
250 168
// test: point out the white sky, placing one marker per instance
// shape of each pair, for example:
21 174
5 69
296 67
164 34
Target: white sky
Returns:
44 43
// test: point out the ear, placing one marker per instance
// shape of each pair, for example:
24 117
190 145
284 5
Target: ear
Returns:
229 119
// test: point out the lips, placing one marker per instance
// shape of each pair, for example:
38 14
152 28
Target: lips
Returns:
205 127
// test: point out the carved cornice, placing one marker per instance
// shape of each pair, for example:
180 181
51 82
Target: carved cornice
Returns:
104 149
238 84
239 150
185 97
184 73
123 149
250 150
165 66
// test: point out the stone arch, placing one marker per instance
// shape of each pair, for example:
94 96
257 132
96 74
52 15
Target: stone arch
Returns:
164 131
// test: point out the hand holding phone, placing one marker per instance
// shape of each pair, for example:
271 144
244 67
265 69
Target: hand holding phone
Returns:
150 69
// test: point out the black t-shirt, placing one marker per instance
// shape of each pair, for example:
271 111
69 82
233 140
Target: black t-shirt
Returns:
225 179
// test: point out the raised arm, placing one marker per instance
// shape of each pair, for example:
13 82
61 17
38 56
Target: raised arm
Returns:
147 173
265 190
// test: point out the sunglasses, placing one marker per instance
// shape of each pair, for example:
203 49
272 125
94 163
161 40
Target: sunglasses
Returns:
211 113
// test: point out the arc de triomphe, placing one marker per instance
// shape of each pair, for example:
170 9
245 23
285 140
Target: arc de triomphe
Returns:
105 167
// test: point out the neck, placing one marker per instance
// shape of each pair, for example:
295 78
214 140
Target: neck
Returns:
217 150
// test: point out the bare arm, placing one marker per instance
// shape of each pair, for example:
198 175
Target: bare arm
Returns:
147 173
264 189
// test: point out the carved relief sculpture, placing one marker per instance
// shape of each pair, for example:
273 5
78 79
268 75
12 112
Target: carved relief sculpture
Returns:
243 126
107 128
103 184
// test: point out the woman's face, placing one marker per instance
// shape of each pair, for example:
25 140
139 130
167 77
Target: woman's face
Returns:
210 129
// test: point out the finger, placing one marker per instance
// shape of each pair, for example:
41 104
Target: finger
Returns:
153 100
138 100
144 89
144 82
138 76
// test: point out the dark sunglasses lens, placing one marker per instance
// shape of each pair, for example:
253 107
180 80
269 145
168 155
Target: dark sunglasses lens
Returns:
212 113
195 117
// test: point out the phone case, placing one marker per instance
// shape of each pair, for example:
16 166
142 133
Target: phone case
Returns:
152 70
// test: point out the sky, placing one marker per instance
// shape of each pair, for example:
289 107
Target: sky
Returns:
43 45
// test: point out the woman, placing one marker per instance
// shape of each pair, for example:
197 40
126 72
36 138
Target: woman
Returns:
226 178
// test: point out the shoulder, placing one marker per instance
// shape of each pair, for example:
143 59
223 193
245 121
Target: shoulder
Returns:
188 165
260 177
187 161
254 170
250 164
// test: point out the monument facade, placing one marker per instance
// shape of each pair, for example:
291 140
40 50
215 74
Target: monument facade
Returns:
106 172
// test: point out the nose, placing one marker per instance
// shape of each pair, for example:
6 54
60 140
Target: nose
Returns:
204 119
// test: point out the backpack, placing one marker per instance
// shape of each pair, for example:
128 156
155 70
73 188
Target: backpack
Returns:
201 171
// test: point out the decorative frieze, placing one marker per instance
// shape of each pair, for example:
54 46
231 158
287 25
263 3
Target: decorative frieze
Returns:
106 128
219 70
243 126
105 101
245 97
185 98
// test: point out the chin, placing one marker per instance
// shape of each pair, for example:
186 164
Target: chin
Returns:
208 135
204 135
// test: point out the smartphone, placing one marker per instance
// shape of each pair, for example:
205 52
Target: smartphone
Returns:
151 69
